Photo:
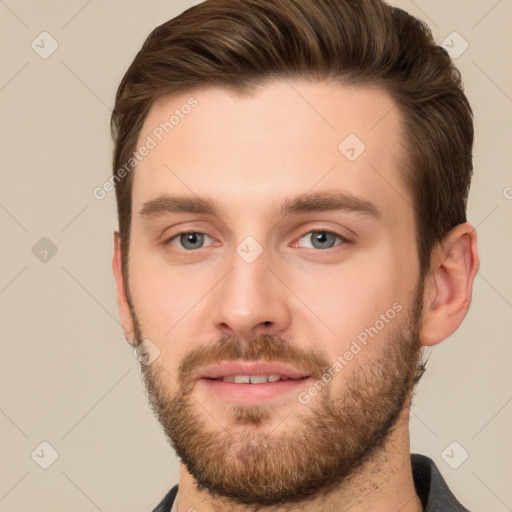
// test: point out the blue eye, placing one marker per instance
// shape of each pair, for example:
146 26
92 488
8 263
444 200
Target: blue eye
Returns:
193 240
323 239
189 240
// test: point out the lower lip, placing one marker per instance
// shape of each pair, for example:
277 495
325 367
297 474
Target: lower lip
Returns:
243 394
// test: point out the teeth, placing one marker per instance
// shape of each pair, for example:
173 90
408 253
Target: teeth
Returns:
258 379
253 379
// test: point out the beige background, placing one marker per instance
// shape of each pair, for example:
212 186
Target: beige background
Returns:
67 375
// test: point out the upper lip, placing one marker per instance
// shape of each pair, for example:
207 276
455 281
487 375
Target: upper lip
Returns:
250 368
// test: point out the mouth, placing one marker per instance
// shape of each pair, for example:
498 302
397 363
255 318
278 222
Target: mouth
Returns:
254 379
245 383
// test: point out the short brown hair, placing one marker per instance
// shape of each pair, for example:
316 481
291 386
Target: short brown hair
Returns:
239 44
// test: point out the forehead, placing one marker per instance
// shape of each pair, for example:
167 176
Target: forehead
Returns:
285 138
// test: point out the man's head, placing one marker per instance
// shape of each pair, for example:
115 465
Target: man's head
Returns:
240 44
298 211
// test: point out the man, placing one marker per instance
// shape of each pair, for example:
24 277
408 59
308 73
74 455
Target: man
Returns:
292 179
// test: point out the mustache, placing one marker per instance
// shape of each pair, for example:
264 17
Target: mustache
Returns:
266 347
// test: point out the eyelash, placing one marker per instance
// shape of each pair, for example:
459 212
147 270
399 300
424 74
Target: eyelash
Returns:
344 239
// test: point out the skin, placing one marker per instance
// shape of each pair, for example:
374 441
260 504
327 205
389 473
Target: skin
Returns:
248 153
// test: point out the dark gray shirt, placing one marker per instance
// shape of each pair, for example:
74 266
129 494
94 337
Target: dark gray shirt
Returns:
430 486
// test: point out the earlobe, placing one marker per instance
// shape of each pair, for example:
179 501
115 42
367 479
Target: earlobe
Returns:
447 296
122 297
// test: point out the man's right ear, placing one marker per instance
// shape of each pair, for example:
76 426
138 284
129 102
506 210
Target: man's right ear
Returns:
122 298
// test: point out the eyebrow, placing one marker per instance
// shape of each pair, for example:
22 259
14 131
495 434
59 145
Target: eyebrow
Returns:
330 200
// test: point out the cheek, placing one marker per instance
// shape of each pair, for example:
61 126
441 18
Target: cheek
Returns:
167 298
161 299
344 301
164 301
171 301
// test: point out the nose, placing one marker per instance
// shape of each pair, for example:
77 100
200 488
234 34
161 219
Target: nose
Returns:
251 300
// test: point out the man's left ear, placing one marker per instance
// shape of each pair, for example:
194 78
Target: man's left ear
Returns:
447 296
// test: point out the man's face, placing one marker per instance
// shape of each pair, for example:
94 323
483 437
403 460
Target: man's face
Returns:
322 293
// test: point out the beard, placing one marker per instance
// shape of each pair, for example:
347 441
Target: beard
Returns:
344 426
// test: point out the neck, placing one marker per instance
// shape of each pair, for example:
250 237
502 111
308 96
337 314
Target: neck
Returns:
383 483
